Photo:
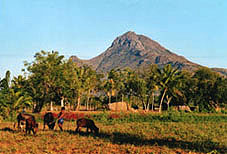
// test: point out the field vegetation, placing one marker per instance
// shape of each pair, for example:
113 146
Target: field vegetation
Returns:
169 132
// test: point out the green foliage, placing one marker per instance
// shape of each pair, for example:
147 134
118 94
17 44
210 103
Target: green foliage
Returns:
109 118
166 81
51 79
209 90
45 79
12 99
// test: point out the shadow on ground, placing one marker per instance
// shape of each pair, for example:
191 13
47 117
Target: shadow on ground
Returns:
125 138
7 129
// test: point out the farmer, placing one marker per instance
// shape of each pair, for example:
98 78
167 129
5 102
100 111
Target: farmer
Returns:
60 118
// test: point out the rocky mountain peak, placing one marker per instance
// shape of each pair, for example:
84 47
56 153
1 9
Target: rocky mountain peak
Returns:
129 40
136 51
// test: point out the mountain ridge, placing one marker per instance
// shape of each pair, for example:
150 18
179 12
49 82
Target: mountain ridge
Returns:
136 51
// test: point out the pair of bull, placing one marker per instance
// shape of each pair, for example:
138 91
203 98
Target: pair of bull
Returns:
31 125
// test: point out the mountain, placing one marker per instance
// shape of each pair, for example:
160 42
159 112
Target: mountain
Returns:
136 51
222 71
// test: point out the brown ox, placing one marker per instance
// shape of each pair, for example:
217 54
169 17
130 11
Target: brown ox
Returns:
31 125
21 119
87 123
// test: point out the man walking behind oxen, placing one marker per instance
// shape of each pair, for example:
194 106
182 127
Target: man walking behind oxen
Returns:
60 118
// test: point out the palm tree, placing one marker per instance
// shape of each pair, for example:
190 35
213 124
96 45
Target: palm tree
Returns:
152 78
81 76
124 77
90 81
140 90
17 101
169 78
14 100
110 84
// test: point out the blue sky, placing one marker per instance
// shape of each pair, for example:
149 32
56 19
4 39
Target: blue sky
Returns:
195 29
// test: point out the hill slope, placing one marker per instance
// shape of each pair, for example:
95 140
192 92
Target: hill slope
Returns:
135 51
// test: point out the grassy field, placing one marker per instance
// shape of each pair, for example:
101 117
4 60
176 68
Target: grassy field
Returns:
125 133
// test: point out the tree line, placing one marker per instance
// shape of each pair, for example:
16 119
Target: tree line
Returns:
50 79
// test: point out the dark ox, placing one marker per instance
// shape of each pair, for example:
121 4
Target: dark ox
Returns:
87 123
49 121
31 125
21 120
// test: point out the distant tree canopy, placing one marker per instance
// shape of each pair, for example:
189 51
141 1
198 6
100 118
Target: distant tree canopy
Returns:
50 79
